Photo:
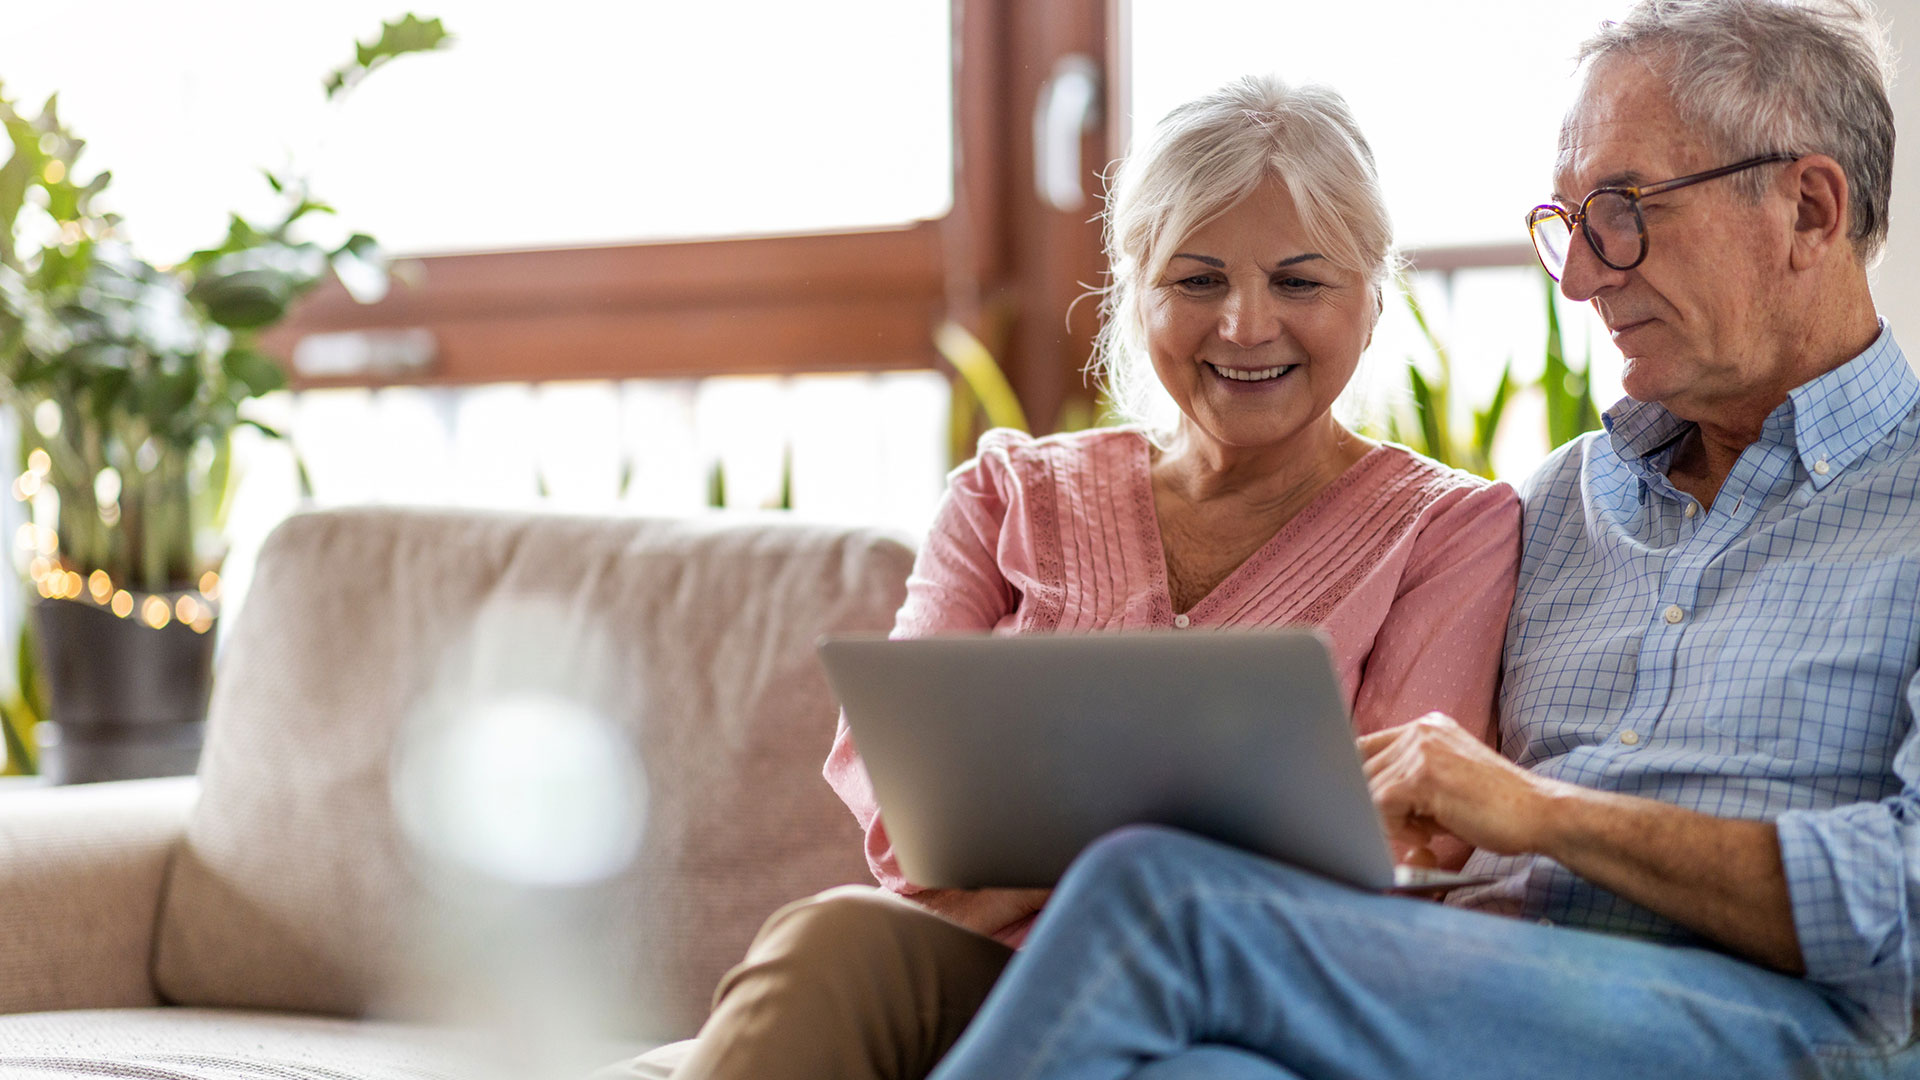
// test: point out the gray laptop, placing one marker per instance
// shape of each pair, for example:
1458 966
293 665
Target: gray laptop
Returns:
996 760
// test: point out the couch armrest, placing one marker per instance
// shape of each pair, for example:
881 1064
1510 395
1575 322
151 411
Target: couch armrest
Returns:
80 875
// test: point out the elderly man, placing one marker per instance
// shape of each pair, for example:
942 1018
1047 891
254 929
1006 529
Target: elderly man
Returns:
1708 840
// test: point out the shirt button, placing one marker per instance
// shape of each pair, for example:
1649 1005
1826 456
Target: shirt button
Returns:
1692 509
1630 738
1673 614
1820 466
1181 621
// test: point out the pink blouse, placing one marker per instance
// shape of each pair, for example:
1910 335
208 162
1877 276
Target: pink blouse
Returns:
1407 565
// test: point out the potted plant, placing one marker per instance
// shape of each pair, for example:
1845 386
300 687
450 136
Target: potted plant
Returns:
127 381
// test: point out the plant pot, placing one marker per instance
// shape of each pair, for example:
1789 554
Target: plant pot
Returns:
124 700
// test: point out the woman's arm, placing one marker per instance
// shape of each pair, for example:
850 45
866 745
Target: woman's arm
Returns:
1438 649
956 586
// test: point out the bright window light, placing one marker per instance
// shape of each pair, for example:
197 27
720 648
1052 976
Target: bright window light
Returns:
1462 103
559 123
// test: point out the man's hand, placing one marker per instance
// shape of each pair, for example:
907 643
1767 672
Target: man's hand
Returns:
1719 876
983 911
1431 778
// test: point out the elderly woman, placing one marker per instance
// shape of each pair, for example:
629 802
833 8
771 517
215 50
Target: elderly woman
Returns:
1250 251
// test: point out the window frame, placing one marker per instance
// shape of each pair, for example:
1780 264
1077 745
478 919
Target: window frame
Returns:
1000 263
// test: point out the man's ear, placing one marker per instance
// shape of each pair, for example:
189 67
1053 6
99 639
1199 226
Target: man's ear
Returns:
1822 208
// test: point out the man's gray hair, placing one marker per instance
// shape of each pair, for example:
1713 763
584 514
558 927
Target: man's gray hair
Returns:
1775 76
1200 162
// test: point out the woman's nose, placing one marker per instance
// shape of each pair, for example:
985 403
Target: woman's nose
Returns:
1250 317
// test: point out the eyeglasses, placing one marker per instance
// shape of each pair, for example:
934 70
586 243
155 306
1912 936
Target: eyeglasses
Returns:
1611 219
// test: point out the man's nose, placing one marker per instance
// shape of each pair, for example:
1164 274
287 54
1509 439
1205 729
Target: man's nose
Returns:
1585 275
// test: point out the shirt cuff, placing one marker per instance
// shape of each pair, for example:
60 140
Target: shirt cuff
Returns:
1846 872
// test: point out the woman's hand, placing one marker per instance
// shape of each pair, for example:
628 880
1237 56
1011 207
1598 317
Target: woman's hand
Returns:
983 911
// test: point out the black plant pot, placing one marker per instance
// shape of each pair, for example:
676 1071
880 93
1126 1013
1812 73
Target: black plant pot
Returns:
125 700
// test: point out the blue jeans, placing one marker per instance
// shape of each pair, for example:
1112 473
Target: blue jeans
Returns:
1158 942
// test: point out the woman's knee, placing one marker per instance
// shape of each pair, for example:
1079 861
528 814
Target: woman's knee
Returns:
832 922
856 931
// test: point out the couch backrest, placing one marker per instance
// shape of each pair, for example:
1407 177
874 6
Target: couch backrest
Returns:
295 889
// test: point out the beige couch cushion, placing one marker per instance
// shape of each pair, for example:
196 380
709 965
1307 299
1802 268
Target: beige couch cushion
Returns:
295 889
80 875
222 1044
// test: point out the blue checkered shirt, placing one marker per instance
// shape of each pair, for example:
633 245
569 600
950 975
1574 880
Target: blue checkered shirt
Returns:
1756 661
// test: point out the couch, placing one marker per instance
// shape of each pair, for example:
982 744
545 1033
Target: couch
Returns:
286 914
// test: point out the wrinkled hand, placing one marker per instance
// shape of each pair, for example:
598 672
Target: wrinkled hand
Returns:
983 911
1431 778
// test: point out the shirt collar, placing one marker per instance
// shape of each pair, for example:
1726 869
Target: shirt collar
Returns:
1832 419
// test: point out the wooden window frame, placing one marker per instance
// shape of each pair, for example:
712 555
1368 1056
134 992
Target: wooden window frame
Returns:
1015 271
1000 262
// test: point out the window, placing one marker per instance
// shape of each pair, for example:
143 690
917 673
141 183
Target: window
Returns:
572 122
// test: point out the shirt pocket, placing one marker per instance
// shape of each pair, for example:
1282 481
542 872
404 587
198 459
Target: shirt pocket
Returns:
1807 661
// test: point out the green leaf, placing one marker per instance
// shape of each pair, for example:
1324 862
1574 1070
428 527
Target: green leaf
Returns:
241 236
410 34
1486 423
1569 393
19 760
246 299
1425 401
362 269
978 369
254 373
245 290
269 431
165 397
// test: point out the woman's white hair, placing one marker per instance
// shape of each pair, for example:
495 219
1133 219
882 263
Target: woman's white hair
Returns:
1200 162
1774 76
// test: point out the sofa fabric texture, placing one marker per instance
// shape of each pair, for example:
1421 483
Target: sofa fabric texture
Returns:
295 887
224 1044
80 876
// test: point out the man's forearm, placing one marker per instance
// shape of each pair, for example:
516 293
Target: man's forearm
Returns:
1720 877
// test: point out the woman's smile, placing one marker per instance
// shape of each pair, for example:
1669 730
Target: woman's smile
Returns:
1251 377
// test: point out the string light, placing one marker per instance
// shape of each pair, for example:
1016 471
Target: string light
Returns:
39 463
193 609
155 612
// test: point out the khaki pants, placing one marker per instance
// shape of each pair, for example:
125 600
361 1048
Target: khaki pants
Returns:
853 984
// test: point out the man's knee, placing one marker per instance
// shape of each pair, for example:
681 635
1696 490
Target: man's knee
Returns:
1153 857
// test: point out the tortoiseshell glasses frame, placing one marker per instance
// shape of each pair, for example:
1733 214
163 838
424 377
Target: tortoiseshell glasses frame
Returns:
1610 218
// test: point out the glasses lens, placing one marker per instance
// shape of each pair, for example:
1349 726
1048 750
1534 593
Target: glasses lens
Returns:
1551 235
1613 222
